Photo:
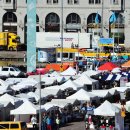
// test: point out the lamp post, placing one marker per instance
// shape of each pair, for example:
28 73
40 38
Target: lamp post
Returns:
39 101
61 31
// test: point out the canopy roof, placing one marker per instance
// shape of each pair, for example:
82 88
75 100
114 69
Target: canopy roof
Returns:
70 85
82 95
30 109
8 98
107 66
106 109
70 71
126 64
84 79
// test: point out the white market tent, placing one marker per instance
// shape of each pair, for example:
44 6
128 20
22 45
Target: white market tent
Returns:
70 85
48 92
25 84
90 72
128 106
12 81
49 106
121 89
53 87
82 95
32 94
69 72
54 74
48 80
28 82
26 108
8 98
106 109
116 70
3 85
64 102
85 80
24 111
101 93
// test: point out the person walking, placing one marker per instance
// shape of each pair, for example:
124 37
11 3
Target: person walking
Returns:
44 124
34 121
49 123
57 123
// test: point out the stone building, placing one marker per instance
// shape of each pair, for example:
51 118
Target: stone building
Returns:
71 16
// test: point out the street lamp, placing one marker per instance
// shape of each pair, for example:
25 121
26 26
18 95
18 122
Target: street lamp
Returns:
61 31
40 83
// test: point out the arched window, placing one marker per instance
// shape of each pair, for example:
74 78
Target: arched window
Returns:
10 22
52 23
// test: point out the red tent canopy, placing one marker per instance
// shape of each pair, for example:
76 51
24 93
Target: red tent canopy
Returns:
107 66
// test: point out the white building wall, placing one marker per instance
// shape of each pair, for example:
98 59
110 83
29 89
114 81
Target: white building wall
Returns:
84 9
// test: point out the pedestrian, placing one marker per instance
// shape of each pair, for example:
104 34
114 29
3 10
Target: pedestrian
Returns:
86 125
91 126
44 118
89 119
34 121
49 123
57 123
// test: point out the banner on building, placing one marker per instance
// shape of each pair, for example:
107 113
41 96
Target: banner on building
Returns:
106 42
31 35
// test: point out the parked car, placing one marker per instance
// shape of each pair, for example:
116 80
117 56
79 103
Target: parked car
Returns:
38 71
11 71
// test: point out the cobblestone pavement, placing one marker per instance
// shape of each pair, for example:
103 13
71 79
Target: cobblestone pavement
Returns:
74 126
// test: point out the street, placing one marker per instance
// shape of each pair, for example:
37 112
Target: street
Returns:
74 126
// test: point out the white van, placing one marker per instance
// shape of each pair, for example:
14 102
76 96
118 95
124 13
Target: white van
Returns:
10 71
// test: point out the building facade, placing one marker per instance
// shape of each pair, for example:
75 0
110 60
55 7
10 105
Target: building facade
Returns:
93 16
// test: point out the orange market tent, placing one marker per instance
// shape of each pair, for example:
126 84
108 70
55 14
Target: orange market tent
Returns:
107 66
126 64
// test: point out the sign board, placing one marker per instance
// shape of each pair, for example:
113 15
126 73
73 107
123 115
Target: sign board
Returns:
123 81
42 56
70 40
106 42
47 55
119 121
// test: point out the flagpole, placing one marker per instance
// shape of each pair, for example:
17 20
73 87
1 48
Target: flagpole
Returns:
113 20
97 23
113 37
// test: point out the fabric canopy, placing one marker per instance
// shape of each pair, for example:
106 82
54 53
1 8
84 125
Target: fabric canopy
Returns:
70 71
82 95
126 64
106 109
70 85
26 108
108 66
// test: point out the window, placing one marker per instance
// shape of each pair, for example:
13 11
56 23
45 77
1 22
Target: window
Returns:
70 2
55 1
4 126
97 1
115 2
23 125
76 1
49 1
11 69
8 1
14 126
4 69
91 1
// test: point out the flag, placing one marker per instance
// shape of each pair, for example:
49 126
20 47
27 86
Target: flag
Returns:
97 18
113 18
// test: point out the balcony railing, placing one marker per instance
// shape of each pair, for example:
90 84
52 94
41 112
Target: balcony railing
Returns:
73 26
